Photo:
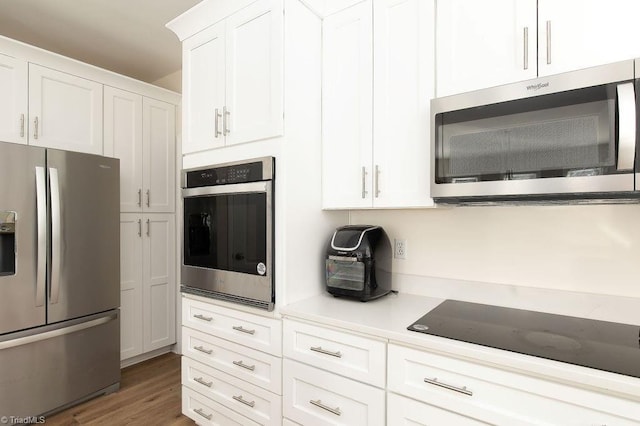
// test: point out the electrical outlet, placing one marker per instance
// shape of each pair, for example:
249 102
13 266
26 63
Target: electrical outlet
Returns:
400 249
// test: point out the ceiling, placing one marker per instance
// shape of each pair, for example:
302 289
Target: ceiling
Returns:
125 36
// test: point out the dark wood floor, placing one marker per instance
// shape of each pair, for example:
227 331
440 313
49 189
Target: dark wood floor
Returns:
149 395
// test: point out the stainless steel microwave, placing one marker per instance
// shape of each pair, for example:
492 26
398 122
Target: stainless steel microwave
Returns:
570 136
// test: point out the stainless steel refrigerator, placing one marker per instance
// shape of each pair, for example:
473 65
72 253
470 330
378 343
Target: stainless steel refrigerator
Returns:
59 278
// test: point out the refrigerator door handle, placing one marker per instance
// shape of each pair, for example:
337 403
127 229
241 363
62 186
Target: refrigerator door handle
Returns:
41 209
56 234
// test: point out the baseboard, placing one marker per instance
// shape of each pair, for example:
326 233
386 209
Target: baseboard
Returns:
145 356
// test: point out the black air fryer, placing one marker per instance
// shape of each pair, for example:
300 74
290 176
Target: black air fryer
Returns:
358 262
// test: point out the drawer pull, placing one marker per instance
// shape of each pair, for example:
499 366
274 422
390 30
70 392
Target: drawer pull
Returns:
319 403
326 352
243 330
203 382
201 412
239 398
201 349
243 365
202 317
435 382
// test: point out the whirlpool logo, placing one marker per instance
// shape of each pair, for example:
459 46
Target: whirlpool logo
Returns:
536 87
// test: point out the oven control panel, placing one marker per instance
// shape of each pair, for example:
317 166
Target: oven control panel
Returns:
254 171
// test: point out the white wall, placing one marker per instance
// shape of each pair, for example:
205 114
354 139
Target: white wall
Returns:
584 248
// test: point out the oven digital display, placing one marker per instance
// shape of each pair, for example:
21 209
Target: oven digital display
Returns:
249 172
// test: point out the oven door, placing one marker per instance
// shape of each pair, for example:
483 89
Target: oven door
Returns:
228 242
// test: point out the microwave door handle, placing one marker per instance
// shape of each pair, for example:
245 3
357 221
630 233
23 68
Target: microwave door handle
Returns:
626 125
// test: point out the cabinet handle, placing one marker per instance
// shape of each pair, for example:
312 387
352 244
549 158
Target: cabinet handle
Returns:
319 403
239 398
22 125
326 352
376 188
201 412
202 317
148 227
244 330
139 227
148 198
526 48
203 382
364 177
435 382
243 365
225 122
548 42
201 349
35 128
140 197
217 122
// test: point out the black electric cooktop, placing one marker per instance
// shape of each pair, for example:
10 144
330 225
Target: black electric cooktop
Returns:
603 345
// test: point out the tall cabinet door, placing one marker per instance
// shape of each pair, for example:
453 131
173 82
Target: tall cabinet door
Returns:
402 88
159 289
65 111
484 43
158 144
204 89
13 102
123 140
575 34
254 73
347 104
130 285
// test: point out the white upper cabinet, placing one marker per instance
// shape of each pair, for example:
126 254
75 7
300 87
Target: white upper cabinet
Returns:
377 84
65 111
484 43
233 79
574 34
13 102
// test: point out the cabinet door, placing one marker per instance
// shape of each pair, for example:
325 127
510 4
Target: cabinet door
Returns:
347 104
403 85
159 288
130 285
13 102
204 90
405 411
483 44
576 34
65 111
158 146
123 140
254 73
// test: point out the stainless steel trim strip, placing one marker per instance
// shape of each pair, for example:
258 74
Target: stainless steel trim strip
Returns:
626 125
55 333
243 330
239 398
435 382
235 188
319 403
326 352
56 234
41 208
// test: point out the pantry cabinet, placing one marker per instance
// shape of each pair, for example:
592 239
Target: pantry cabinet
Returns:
377 83
148 283
13 102
233 79
495 42
141 132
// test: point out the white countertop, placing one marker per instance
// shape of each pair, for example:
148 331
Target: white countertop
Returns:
388 318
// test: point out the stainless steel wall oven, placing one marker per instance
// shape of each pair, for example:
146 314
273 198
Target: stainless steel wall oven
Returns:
228 232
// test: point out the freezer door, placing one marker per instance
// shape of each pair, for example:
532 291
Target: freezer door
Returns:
84 203
22 256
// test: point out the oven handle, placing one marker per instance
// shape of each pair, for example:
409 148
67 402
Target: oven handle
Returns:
626 125
236 188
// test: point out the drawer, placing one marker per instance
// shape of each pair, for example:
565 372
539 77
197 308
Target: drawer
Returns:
340 352
405 411
254 402
287 422
313 396
255 331
499 396
255 367
206 412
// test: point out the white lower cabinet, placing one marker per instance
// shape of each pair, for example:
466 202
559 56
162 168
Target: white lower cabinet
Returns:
230 374
406 411
313 396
